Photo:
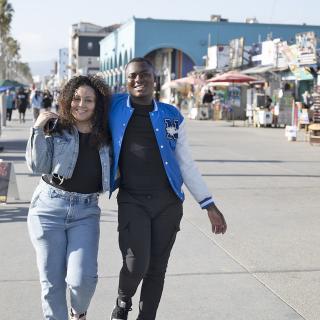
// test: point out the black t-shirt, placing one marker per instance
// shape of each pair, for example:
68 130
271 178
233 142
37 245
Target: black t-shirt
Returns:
87 174
140 163
207 98
22 101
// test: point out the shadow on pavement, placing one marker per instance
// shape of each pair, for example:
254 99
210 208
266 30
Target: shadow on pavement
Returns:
13 214
250 161
12 158
14 146
261 175
238 161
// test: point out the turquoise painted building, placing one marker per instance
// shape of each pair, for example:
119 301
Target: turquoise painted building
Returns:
176 46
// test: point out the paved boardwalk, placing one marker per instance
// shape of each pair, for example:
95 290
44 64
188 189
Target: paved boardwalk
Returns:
267 266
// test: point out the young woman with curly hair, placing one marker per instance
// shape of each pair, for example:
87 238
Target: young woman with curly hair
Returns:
71 152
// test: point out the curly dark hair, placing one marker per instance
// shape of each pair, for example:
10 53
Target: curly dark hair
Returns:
100 129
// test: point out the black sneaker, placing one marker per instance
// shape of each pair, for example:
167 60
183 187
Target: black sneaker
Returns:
121 310
77 317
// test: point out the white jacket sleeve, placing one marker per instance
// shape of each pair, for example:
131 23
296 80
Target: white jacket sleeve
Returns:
190 173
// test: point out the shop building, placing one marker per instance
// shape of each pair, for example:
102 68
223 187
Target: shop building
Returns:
62 72
176 47
84 47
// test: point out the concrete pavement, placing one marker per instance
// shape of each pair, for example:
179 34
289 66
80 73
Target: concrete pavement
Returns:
267 265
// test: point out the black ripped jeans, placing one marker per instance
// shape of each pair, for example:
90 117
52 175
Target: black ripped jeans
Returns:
148 224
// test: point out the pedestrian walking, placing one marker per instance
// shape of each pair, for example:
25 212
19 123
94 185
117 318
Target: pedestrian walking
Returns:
63 218
47 100
22 104
153 158
56 100
207 97
36 102
9 103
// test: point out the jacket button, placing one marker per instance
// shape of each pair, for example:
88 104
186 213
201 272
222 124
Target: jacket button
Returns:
161 146
166 162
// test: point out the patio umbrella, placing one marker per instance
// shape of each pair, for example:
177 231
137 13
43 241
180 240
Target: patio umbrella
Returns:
10 83
234 78
182 82
226 84
190 80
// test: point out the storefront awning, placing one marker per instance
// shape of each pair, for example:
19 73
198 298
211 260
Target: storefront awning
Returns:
298 73
258 69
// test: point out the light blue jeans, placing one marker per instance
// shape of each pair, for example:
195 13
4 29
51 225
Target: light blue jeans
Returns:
64 230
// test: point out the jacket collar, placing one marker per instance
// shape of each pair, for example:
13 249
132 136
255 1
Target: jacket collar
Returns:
154 103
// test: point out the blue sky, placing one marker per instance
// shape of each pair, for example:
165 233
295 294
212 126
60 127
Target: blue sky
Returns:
42 26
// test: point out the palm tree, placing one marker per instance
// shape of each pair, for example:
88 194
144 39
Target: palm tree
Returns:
6 13
12 48
23 72
10 64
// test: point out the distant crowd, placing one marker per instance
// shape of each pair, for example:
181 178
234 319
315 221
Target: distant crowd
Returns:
23 99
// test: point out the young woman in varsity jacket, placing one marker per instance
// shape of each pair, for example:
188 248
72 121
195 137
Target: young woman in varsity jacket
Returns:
151 161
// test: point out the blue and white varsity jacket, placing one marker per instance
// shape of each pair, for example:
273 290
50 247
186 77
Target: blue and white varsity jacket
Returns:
169 128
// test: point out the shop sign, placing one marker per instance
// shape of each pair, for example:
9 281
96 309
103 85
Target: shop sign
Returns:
8 183
268 55
236 48
218 57
306 47
5 168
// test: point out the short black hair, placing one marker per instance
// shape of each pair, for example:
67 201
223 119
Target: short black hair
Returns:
141 60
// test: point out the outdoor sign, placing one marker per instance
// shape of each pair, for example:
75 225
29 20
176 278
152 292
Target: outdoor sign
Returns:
291 54
280 59
8 184
5 168
236 53
218 57
301 73
306 46
268 55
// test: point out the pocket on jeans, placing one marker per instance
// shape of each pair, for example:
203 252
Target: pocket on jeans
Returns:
35 227
167 249
95 209
124 230
35 198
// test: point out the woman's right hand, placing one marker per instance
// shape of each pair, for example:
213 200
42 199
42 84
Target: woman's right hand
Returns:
43 119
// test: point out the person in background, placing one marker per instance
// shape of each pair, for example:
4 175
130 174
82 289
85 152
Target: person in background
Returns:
47 100
56 100
207 97
151 161
9 103
307 99
63 218
268 103
22 104
36 102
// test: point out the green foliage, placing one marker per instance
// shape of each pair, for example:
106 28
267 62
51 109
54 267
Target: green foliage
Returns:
10 65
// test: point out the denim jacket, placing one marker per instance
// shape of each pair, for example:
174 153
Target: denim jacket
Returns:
169 128
58 154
